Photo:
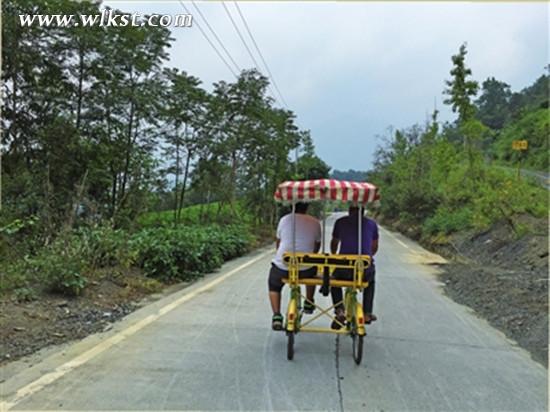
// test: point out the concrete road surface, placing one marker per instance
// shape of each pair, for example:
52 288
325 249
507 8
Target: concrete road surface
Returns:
210 347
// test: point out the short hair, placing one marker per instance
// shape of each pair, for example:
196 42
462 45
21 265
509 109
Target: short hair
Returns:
301 207
355 209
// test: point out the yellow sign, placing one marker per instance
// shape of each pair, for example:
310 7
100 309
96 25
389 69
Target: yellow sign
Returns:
520 144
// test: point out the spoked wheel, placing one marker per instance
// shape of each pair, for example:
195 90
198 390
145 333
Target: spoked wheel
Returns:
357 342
290 346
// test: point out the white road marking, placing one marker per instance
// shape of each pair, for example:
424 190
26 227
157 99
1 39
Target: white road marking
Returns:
394 237
61 370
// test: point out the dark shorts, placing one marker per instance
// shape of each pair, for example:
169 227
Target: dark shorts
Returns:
276 275
347 274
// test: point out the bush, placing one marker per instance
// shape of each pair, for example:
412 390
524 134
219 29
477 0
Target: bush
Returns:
502 196
104 246
187 252
447 221
60 266
183 252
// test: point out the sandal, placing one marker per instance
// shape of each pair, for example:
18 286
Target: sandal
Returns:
369 317
277 322
309 307
340 319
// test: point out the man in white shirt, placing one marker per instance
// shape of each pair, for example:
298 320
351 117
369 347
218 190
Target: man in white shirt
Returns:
308 239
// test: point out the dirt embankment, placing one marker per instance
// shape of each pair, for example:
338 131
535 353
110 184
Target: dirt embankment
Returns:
51 319
502 276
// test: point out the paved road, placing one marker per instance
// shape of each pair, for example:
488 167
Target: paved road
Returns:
209 347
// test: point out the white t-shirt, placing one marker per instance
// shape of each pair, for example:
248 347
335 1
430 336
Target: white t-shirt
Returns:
308 232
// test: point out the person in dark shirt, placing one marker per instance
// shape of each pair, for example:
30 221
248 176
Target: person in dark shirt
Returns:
345 237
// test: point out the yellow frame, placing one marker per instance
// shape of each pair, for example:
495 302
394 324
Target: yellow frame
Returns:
298 260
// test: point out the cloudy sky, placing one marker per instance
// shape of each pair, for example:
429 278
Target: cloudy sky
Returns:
350 70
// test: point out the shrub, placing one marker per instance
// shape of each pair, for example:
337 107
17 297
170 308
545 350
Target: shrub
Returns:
60 266
104 246
187 252
447 221
182 252
502 196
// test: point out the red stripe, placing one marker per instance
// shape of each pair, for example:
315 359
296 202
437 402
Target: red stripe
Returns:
345 190
312 189
289 191
332 194
301 190
361 192
355 189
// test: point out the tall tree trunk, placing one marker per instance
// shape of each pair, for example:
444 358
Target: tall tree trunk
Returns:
129 141
113 191
185 174
232 184
176 207
80 81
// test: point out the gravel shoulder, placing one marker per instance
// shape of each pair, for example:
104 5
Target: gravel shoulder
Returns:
503 276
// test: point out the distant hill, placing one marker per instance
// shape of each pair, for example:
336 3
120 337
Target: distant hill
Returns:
523 115
351 174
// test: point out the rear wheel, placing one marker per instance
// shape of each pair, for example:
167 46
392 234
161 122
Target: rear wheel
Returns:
290 346
357 342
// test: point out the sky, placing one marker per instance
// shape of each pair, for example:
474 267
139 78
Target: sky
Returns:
351 70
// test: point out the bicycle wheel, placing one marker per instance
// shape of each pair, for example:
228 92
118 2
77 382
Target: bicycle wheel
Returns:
357 342
290 346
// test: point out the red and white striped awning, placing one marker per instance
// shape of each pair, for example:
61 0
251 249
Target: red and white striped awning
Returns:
326 189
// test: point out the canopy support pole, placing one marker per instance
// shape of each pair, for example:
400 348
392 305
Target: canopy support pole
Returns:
359 230
324 226
294 228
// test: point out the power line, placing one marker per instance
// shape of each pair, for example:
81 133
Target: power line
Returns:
245 45
240 35
216 36
210 41
260 53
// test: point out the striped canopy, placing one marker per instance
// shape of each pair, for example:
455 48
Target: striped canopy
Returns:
326 189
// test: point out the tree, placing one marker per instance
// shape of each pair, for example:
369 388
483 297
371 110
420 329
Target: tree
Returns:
183 102
460 89
493 104
310 166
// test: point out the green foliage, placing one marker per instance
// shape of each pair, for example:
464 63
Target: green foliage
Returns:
60 266
86 113
103 246
493 104
214 212
25 294
183 252
501 196
429 182
172 253
447 221
460 89
533 127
